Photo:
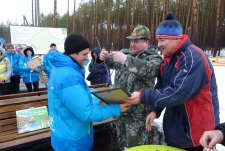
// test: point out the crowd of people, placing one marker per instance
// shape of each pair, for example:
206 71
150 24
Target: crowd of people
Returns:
13 67
186 88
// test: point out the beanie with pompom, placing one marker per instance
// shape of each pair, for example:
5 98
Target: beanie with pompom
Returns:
169 28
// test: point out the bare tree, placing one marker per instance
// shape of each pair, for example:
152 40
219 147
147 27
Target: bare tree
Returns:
74 13
109 24
55 13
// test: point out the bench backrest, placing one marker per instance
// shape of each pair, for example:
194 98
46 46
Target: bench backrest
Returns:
8 108
9 104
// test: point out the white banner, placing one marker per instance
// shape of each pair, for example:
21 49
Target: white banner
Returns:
39 38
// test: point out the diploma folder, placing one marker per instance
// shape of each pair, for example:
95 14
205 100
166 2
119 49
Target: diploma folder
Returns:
112 95
34 62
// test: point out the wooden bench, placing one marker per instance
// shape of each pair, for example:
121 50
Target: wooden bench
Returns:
217 61
9 104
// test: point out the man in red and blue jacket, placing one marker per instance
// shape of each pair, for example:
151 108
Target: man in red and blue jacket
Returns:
186 87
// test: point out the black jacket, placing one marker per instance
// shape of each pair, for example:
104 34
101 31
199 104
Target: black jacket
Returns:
221 127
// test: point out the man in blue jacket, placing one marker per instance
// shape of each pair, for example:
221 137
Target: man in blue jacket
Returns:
46 63
14 61
70 103
186 87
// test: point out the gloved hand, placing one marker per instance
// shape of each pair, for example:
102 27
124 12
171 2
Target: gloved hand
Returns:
119 57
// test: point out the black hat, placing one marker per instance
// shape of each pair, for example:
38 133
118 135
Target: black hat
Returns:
75 43
53 44
28 48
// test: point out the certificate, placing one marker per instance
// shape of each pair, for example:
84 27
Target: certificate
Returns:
34 62
112 95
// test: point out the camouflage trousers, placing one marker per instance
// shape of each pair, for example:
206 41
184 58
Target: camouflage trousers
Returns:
130 129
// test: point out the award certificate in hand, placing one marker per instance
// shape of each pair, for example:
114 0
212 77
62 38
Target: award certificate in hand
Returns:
34 62
112 95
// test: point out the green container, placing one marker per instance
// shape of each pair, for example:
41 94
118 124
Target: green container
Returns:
154 148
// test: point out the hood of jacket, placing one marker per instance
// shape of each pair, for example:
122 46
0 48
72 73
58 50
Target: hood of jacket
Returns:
96 50
59 59
8 53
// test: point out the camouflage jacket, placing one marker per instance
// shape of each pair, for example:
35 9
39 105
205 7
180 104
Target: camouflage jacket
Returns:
139 71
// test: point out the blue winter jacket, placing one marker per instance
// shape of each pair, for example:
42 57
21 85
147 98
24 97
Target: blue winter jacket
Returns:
187 88
98 71
14 61
71 107
25 71
46 63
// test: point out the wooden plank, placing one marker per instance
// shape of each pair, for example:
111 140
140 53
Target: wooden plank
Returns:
7 122
217 61
24 140
23 106
15 136
23 100
7 115
7 128
103 122
10 132
97 85
11 96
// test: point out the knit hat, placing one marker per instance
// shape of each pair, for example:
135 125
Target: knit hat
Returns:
9 45
140 32
75 43
28 48
170 28
53 44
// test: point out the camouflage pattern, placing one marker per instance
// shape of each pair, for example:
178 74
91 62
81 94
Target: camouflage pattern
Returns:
140 32
138 72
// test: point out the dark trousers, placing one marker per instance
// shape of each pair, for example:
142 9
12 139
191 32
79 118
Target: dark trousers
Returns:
14 84
199 148
4 89
35 86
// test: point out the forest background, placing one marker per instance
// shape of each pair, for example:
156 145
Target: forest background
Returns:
111 21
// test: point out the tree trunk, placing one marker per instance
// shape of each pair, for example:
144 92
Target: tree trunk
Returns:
109 25
217 28
132 16
153 21
143 12
187 27
55 13
96 23
194 21
74 11
67 19
178 9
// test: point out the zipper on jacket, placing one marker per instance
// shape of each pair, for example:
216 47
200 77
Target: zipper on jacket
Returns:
89 129
11 65
30 76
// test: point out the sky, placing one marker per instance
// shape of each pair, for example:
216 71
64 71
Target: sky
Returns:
13 10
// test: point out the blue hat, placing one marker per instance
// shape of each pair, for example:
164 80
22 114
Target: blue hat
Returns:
170 28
